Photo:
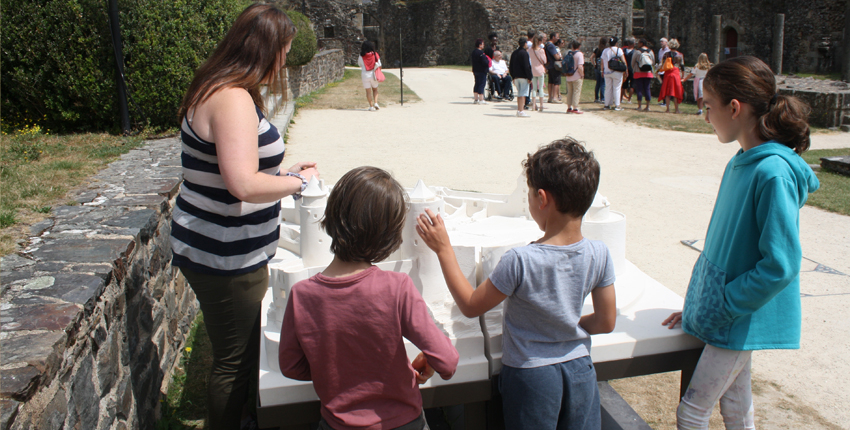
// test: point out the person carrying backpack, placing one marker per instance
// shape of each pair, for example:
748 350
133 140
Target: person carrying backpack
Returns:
642 60
573 70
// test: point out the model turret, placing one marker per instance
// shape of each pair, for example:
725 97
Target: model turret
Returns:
315 243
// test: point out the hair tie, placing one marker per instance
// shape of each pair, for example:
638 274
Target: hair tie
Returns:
772 102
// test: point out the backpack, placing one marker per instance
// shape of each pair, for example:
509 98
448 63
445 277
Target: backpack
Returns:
569 64
645 61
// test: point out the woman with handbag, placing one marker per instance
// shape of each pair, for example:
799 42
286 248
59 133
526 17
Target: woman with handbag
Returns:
671 88
370 73
615 70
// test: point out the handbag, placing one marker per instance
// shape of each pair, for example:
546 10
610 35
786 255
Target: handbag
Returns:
379 75
615 64
666 66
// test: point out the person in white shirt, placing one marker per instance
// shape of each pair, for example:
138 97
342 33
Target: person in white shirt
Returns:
613 79
500 76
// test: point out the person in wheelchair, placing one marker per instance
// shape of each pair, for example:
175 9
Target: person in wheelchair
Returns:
500 79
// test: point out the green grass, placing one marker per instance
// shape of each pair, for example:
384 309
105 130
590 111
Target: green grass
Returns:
348 93
464 67
185 405
37 169
834 192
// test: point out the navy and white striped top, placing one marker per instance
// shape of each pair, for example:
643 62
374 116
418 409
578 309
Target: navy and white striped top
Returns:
212 231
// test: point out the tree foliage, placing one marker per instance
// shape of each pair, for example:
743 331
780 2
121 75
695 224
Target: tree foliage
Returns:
58 68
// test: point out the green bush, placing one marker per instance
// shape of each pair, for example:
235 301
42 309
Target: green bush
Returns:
304 45
57 66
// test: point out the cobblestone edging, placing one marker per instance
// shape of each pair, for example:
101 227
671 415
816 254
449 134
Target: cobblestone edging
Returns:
93 316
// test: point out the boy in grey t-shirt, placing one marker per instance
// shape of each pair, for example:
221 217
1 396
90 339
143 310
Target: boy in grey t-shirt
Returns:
547 379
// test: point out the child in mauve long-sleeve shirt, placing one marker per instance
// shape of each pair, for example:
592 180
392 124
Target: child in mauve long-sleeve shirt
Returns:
343 328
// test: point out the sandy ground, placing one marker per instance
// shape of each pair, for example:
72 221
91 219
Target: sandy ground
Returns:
664 181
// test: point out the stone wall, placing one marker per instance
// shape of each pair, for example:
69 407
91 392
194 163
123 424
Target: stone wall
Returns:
813 31
829 100
325 67
93 315
431 32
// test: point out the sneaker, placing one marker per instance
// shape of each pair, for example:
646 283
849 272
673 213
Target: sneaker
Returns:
662 104
569 110
522 114
482 102
699 112
618 109
600 101
377 107
371 109
578 112
605 107
475 102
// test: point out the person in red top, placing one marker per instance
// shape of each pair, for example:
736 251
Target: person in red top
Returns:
343 328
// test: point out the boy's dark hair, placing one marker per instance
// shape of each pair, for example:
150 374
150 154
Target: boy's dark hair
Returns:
522 42
567 171
365 215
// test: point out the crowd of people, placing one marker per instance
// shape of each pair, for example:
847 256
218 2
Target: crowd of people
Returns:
539 64
744 292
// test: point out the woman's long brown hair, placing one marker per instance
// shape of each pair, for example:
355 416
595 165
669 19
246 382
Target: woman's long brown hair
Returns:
246 57
749 80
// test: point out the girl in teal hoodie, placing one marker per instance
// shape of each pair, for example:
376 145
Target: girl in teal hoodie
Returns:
744 292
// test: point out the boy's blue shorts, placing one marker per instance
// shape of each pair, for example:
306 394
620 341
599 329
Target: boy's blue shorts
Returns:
563 393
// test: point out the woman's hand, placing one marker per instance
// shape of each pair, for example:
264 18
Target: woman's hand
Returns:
307 169
672 320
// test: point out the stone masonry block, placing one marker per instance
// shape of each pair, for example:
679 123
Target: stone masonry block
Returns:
19 383
76 288
42 350
84 404
108 363
82 250
50 316
8 412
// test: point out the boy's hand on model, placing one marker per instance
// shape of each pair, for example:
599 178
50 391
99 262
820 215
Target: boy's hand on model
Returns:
422 369
432 230
674 319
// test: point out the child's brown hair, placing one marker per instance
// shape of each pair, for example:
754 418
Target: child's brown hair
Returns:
365 215
567 171
749 80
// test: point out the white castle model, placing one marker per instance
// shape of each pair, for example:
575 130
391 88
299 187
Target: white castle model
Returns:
482 227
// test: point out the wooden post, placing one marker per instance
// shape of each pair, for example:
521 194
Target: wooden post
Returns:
778 37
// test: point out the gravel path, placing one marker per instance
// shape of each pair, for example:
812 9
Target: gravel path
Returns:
664 181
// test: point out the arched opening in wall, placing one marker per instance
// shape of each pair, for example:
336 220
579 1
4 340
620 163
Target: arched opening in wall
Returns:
730 46
372 30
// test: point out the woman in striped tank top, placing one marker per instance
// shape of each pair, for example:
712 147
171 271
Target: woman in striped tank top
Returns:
225 223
